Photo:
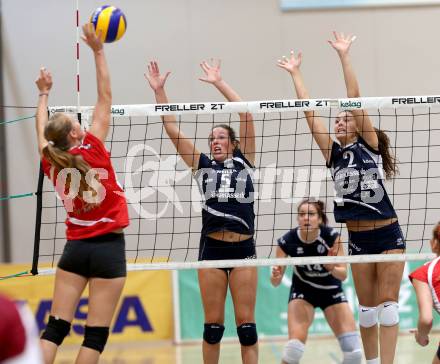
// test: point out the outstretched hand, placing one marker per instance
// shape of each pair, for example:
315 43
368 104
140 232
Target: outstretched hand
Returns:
342 42
211 70
44 80
292 63
91 38
154 78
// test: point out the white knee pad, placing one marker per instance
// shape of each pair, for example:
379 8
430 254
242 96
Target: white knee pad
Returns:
388 313
367 316
293 351
351 348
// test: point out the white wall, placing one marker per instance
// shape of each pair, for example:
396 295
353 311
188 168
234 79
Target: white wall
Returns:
396 53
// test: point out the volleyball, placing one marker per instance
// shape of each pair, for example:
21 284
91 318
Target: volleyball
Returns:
110 21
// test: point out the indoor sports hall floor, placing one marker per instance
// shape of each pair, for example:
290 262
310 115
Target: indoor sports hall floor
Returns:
323 350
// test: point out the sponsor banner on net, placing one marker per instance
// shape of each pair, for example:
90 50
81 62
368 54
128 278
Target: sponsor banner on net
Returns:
143 110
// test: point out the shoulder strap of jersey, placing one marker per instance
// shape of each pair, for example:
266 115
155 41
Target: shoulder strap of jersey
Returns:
204 161
239 156
366 145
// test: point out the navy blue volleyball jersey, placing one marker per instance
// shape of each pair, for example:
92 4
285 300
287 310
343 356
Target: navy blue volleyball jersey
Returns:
314 275
357 171
228 194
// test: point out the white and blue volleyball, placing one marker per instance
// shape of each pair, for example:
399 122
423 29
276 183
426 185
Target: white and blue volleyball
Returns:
110 21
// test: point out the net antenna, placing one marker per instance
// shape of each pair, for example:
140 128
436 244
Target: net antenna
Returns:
165 202
78 95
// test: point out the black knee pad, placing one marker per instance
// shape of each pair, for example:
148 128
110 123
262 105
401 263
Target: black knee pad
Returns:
247 334
438 352
56 330
95 337
213 333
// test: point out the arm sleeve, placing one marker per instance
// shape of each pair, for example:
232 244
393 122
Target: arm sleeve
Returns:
284 242
330 235
204 161
364 143
98 145
421 274
238 153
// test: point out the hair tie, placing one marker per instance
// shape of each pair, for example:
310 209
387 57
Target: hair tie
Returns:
51 143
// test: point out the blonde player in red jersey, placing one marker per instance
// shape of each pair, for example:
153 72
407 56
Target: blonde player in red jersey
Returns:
426 282
79 165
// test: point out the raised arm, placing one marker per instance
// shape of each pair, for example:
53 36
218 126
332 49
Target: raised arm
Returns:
341 45
184 146
338 271
424 301
44 84
247 129
101 114
277 272
316 124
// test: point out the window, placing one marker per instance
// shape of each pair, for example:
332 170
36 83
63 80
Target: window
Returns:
326 4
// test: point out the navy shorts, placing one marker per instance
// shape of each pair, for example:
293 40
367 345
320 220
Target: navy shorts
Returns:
102 256
376 241
317 297
213 249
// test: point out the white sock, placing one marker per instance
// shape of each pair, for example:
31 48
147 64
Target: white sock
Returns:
373 361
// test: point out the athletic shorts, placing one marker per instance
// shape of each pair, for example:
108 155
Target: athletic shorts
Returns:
317 297
99 257
376 241
212 249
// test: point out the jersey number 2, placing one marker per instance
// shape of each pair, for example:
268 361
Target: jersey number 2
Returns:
349 154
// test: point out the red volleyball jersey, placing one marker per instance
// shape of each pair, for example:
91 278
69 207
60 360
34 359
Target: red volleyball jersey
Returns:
430 273
83 220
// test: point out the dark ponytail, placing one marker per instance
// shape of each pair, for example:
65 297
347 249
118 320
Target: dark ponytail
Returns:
389 161
436 232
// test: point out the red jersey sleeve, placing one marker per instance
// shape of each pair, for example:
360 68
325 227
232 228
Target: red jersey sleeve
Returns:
97 143
421 273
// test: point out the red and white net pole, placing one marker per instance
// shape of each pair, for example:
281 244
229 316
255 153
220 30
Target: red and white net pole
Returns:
78 100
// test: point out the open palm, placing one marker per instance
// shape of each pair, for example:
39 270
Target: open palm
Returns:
154 78
342 42
292 63
211 70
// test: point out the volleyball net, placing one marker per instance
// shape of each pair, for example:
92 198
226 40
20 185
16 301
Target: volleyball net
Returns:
165 202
